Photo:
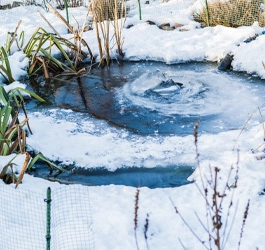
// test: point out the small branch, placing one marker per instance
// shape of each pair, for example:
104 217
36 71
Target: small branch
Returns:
243 128
188 226
243 223
145 230
262 123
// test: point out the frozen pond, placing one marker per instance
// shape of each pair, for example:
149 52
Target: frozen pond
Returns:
156 102
150 98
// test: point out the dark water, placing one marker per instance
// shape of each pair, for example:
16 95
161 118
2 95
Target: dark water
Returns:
151 98
158 177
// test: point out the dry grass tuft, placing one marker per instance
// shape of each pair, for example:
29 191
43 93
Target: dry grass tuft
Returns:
232 13
109 10
107 13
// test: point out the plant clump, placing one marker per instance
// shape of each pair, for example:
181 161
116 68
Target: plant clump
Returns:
12 130
231 13
40 46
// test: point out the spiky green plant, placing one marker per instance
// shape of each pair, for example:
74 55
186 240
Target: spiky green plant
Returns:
79 42
13 134
39 50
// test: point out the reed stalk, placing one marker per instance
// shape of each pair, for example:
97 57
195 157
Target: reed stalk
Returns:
118 25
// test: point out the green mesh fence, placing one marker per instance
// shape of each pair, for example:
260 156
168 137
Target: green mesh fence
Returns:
23 219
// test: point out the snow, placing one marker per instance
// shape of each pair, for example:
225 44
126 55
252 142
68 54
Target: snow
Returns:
89 143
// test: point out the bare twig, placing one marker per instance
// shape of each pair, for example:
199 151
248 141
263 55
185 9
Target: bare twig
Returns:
187 224
243 224
145 230
262 122
136 207
243 128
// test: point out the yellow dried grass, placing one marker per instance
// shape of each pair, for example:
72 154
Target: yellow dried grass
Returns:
233 13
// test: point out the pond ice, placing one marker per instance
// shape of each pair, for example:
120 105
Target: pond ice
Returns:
206 94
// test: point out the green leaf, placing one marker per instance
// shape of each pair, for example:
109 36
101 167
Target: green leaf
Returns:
57 43
5 67
3 96
18 91
42 157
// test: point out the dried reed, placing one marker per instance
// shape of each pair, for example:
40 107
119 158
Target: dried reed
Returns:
232 13
24 168
79 41
106 13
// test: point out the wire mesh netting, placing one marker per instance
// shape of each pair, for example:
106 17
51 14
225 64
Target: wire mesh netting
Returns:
23 219
71 220
148 8
212 12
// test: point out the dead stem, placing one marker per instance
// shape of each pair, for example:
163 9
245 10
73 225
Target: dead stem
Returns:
187 224
145 230
262 123
20 177
243 223
14 35
136 207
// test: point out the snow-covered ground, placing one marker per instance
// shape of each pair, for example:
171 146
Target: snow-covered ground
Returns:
92 143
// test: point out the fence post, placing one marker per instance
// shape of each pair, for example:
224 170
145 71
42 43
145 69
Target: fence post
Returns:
207 13
48 219
66 10
140 11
